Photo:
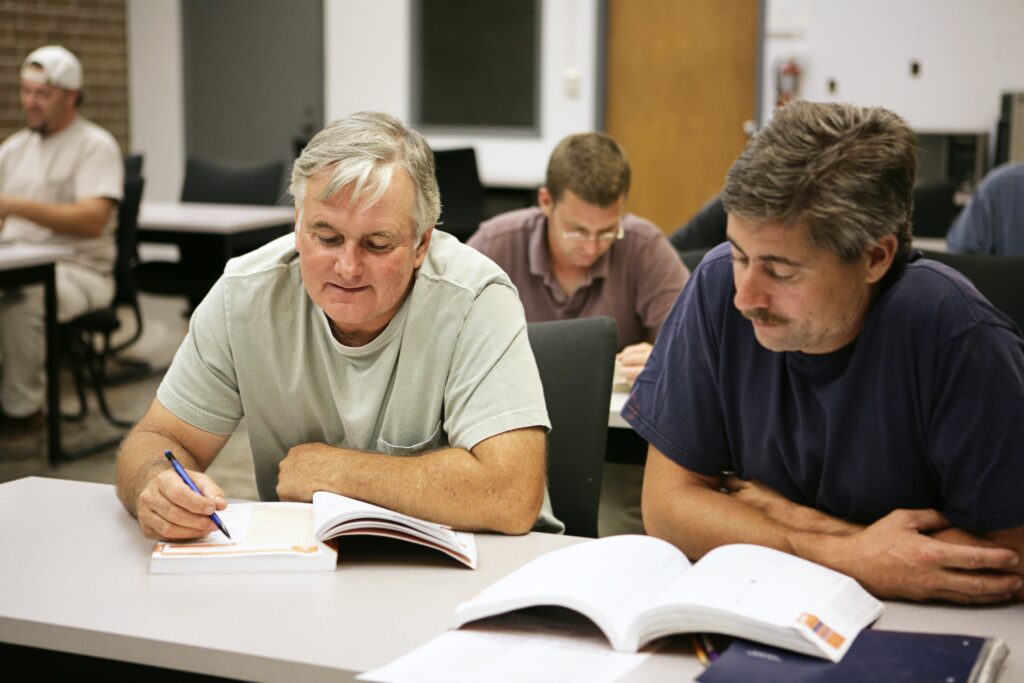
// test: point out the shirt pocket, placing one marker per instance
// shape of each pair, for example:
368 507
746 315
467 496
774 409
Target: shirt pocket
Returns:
435 440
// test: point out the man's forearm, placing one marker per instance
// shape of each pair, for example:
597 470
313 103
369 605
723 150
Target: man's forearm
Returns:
784 511
141 458
80 219
451 486
700 519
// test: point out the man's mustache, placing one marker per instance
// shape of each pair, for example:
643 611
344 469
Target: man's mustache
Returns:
763 316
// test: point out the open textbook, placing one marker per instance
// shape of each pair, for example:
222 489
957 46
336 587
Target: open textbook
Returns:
272 537
638 588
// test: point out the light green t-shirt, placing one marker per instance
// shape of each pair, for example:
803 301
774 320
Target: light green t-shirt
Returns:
453 367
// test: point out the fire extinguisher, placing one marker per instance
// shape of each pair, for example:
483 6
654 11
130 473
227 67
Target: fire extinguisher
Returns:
787 81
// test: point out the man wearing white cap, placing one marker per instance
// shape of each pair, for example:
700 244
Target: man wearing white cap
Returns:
61 178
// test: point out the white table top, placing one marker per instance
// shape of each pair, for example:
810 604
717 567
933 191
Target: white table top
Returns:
222 219
614 419
22 255
74 577
930 243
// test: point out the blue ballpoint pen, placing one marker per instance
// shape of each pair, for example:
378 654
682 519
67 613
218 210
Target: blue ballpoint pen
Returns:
188 480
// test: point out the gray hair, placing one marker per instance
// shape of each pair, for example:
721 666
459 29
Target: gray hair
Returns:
846 172
364 150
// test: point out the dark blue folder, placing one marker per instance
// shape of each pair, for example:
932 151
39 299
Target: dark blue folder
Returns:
882 656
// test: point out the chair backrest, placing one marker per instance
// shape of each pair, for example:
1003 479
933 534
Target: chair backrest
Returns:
934 209
1000 279
215 184
133 165
691 258
126 289
704 230
576 359
462 195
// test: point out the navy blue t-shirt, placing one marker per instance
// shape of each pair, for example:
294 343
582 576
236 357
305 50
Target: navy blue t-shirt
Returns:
925 409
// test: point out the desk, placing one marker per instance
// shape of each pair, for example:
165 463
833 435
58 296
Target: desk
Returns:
28 264
88 591
614 419
930 243
207 235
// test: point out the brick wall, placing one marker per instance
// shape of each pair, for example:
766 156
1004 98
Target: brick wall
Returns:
94 30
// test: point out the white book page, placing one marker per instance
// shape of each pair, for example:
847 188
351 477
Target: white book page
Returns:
254 528
760 583
335 515
774 588
611 580
511 649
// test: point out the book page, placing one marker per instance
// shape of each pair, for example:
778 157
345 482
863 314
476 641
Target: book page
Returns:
763 584
611 580
775 589
271 525
335 516
511 648
255 528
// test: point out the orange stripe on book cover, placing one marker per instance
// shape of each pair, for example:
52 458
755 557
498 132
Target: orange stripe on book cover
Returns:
821 630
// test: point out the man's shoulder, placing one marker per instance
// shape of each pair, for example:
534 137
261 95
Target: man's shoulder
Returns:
94 134
1012 173
454 264
511 226
931 294
273 259
16 140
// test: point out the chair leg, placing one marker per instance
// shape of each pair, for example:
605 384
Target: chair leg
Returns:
97 370
75 356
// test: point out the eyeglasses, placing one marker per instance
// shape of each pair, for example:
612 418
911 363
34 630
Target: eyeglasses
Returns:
603 237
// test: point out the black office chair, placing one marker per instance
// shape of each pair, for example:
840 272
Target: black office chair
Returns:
704 230
133 165
462 195
215 184
1000 279
86 340
691 258
210 183
934 209
576 359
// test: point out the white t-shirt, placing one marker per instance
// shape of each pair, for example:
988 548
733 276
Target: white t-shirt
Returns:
453 367
82 161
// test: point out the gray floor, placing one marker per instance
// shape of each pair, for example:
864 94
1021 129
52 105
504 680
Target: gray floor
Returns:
163 330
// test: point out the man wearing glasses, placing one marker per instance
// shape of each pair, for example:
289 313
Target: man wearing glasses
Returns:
577 255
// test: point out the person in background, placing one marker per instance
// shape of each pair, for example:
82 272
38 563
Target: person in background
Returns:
822 389
993 221
579 254
61 178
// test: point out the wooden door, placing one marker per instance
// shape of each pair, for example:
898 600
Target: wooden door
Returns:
680 85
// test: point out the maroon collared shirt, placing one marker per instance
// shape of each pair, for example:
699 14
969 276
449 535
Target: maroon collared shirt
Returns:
635 282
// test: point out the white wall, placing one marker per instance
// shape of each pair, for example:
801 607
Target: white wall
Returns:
970 51
367 66
156 100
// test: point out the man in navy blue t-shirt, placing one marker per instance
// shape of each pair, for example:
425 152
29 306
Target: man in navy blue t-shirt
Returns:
821 389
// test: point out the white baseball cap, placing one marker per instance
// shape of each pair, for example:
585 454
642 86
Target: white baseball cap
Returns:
60 68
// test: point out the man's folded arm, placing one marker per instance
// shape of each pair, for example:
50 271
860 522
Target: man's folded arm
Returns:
84 218
498 485
902 555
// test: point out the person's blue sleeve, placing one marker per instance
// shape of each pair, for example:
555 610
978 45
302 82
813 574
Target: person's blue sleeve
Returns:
973 231
675 404
977 429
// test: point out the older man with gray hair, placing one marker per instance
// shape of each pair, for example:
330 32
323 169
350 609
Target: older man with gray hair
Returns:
822 389
374 357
